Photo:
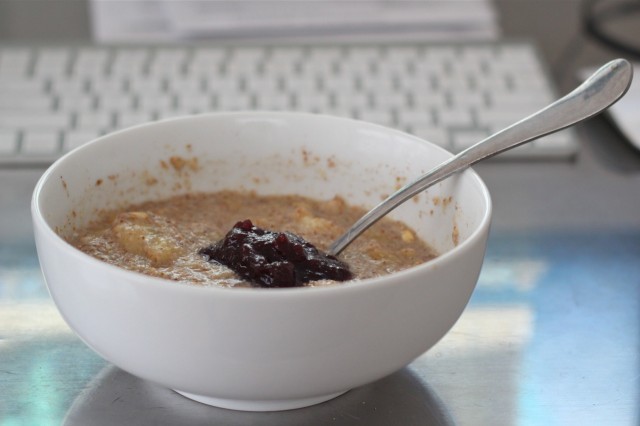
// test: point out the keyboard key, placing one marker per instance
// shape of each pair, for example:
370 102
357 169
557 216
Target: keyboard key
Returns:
315 102
26 120
107 86
158 70
429 100
115 103
415 118
39 102
529 81
15 61
75 138
155 102
67 86
390 99
9 55
469 100
77 103
377 85
40 143
163 115
234 103
169 56
463 139
325 54
208 56
96 120
275 102
265 84
180 87
382 117
91 61
556 145
457 117
449 82
131 118
241 67
224 86
491 83
20 85
52 62
299 85
360 101
195 102
8 142
342 85
129 62
432 134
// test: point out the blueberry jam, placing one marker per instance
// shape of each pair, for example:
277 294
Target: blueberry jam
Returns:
274 259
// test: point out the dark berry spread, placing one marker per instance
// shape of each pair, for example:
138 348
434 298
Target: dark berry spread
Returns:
274 259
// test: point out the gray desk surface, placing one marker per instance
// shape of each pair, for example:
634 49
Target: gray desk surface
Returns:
551 335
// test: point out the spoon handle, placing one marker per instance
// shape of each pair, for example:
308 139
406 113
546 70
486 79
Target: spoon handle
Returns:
601 90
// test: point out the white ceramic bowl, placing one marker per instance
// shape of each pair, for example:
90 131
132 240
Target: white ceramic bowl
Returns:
260 349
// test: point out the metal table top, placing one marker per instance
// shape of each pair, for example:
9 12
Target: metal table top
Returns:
551 334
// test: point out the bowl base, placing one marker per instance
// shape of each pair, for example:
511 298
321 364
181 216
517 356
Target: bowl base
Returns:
259 405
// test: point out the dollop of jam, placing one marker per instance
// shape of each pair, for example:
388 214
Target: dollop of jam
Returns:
274 259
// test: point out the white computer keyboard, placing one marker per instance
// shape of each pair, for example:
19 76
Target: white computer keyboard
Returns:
55 98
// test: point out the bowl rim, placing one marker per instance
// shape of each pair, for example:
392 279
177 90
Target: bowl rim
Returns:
162 284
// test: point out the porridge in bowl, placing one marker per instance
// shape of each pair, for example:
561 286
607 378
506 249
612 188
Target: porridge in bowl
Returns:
172 238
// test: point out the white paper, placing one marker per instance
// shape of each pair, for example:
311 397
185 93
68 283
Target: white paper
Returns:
177 20
130 21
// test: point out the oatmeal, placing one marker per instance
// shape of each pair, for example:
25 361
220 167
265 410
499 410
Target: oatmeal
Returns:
164 238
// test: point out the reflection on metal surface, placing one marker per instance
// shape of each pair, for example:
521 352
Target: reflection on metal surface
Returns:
29 318
42 364
551 336
20 276
40 376
520 275
476 365
121 399
582 363
490 328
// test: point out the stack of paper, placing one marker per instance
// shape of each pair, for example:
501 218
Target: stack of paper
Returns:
380 20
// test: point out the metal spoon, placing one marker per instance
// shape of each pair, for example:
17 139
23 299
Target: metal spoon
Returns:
598 92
